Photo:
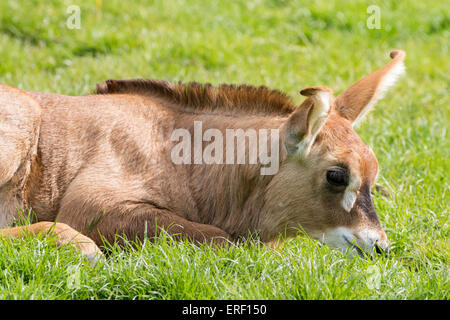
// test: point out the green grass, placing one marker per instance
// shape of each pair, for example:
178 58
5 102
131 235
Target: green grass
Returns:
286 45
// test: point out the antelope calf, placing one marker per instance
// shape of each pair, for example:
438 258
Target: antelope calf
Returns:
97 166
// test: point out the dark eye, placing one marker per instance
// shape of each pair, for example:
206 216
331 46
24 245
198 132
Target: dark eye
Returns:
337 177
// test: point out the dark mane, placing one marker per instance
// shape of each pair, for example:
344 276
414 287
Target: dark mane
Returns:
204 98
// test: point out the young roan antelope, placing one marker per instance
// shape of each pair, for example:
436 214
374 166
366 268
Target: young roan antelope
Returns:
97 166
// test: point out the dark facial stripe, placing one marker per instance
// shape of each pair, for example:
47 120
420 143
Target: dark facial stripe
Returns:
364 202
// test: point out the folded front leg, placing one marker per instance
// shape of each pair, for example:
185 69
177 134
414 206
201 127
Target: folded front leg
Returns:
63 233
139 221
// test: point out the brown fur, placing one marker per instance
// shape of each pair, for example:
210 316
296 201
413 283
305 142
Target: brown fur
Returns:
204 98
100 164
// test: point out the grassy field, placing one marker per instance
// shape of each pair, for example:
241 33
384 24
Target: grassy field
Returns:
287 45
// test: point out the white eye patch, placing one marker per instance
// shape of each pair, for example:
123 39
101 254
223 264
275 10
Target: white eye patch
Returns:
349 200
350 194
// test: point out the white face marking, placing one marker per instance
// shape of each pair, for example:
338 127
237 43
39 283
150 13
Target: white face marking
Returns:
337 238
368 238
348 200
350 193
344 239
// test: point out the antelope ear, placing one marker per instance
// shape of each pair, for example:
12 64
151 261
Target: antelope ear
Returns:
301 129
355 102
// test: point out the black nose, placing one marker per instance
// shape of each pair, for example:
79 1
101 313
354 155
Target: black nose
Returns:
381 249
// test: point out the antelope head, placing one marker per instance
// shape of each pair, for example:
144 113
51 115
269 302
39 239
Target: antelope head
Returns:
327 172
